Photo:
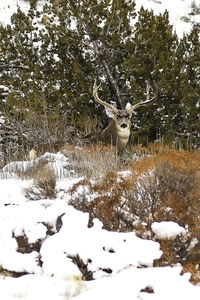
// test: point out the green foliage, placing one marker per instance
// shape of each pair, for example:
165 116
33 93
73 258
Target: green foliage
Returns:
51 57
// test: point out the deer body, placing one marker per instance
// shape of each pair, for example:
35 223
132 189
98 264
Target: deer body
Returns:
118 131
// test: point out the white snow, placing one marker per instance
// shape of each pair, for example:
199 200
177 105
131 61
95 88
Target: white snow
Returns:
9 7
94 245
58 162
15 190
130 284
167 230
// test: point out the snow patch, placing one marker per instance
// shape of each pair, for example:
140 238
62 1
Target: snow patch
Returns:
167 230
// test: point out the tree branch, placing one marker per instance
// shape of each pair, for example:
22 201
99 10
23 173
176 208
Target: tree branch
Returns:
111 79
8 66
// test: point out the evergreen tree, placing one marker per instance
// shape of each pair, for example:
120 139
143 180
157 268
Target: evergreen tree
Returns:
190 85
51 58
153 58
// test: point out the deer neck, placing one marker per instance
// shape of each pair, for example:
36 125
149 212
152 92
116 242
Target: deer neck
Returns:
118 136
122 137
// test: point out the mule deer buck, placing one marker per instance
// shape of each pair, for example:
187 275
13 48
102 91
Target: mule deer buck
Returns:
118 131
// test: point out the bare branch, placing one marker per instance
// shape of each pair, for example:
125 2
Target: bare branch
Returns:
148 86
109 75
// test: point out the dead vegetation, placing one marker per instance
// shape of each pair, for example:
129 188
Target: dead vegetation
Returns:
93 161
44 182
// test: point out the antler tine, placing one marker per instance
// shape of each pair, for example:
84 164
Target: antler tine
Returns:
140 104
95 94
144 103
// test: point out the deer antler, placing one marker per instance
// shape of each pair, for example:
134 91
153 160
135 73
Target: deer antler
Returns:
140 104
143 103
117 133
95 94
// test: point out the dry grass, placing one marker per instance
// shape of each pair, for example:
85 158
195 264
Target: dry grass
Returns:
93 161
97 160
44 183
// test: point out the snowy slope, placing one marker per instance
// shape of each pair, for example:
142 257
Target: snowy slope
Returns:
179 11
42 240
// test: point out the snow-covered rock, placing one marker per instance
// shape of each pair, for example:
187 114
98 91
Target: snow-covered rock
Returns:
167 230
99 249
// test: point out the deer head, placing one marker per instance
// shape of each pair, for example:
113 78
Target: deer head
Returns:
118 131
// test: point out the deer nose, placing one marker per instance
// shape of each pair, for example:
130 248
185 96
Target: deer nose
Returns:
124 125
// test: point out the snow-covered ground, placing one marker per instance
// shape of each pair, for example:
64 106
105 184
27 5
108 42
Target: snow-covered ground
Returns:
43 240
179 11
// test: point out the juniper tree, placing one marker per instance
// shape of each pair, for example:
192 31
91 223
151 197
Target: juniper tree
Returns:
190 85
152 56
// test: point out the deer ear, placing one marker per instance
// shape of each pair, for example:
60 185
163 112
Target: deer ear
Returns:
109 112
128 106
128 109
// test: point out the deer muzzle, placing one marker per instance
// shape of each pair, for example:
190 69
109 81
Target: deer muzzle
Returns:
124 125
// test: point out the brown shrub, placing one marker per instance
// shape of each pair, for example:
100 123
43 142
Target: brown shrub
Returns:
162 187
194 270
109 200
171 193
44 183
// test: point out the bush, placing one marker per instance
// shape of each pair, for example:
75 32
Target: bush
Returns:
44 182
161 187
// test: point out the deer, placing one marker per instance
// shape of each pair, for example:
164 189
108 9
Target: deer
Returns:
117 132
